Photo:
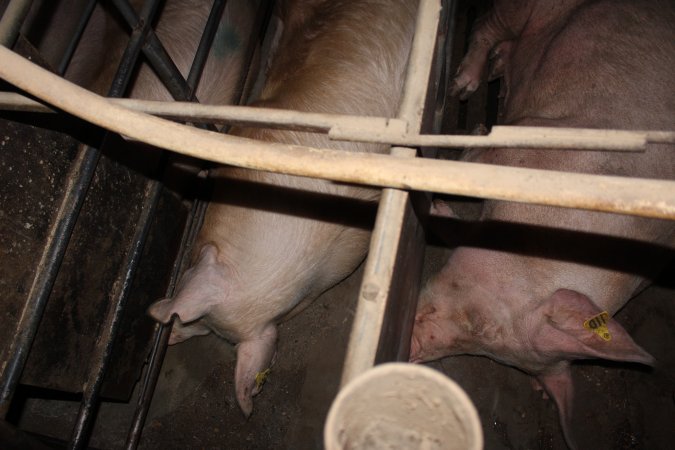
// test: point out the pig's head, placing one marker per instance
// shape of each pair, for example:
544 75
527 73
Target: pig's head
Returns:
204 302
541 337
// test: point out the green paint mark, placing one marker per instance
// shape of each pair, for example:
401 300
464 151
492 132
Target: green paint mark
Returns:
226 42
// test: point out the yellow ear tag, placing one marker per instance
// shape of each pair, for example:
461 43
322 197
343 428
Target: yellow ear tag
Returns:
261 377
598 325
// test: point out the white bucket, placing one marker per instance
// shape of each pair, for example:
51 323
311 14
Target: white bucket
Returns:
402 406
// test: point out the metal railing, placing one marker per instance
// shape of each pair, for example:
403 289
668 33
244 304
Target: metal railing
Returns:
142 40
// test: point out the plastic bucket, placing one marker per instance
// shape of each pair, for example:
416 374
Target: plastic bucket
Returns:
402 406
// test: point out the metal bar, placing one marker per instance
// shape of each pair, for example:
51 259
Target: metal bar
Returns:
162 332
50 261
180 89
11 21
260 28
520 137
79 30
377 129
86 414
79 180
204 47
643 197
394 224
105 342
156 54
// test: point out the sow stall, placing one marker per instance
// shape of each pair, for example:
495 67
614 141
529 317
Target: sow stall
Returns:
96 202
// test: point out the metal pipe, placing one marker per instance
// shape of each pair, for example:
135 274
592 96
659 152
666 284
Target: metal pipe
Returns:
153 49
105 342
75 39
47 269
135 45
163 332
11 21
86 414
61 230
202 53
391 226
649 198
376 129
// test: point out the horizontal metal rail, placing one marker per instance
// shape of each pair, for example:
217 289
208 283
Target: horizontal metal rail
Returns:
637 196
377 129
79 179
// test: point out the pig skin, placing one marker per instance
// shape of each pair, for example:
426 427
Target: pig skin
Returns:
272 243
179 28
594 64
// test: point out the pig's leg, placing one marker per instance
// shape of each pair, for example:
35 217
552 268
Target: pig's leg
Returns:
254 358
484 38
488 37
558 385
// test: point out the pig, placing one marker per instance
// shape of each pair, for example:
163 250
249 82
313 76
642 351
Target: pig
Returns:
179 27
271 243
535 286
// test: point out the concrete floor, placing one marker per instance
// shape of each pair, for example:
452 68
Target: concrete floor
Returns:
618 406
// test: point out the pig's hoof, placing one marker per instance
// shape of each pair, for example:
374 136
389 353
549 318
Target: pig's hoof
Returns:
463 86
499 56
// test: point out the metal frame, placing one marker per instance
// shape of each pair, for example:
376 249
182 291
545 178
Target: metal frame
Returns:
397 227
142 39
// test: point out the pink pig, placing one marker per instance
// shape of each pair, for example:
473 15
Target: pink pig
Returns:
179 28
272 243
532 295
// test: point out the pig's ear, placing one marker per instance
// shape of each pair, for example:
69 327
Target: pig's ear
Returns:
558 385
161 310
254 359
201 287
564 332
187 310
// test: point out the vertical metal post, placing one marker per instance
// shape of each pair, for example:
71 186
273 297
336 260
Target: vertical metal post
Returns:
75 39
106 340
11 21
79 178
162 332
388 295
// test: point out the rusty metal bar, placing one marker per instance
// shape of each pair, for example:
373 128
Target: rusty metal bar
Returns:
80 178
111 323
162 332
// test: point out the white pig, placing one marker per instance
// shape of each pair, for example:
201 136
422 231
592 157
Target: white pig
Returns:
524 297
179 27
271 243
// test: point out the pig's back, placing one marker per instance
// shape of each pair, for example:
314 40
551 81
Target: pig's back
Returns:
609 65
341 63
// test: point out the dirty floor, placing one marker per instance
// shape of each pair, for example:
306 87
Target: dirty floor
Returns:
618 406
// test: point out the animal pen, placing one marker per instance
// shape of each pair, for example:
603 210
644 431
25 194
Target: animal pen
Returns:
91 234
